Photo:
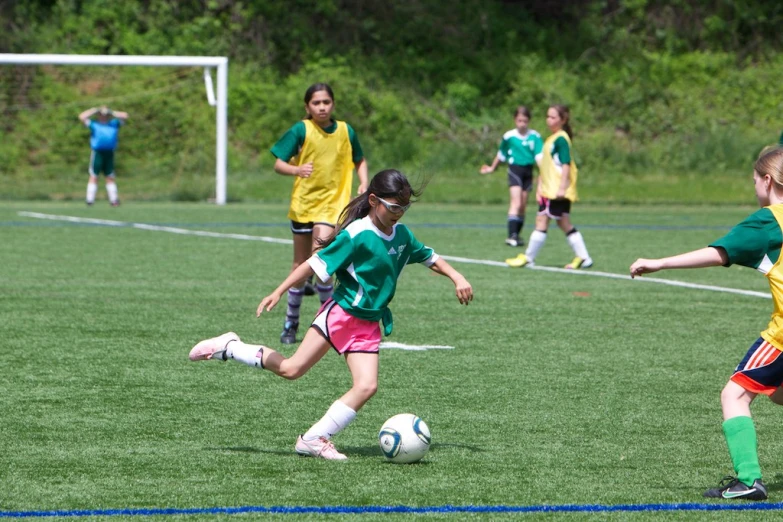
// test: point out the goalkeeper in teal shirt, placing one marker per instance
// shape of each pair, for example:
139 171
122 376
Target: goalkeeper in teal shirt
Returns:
104 133
366 253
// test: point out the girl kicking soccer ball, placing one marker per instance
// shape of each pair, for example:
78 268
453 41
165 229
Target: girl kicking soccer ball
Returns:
755 243
366 254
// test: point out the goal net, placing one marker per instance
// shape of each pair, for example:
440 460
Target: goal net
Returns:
172 145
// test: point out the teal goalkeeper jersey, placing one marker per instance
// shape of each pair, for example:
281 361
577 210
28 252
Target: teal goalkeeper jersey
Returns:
367 264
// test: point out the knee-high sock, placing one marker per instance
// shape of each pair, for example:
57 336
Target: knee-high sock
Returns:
337 418
537 240
577 243
111 190
324 291
295 296
515 224
741 439
92 189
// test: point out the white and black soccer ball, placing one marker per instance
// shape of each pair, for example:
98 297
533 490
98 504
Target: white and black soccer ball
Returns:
404 438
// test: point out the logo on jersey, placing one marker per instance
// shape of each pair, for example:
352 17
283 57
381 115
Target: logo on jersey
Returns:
392 252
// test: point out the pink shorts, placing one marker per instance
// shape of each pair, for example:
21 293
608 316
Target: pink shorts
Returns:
346 333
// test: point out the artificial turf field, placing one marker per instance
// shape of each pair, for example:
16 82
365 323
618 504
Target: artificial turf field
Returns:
561 388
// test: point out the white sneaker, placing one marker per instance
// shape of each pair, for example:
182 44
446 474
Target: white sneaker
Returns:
320 447
214 348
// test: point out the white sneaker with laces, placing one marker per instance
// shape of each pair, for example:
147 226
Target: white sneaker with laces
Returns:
214 348
320 447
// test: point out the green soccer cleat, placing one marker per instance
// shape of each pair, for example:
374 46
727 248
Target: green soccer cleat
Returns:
731 488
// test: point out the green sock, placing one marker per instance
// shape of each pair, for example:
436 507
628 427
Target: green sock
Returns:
741 439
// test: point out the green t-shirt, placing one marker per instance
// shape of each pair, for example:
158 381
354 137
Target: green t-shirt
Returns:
561 152
520 149
367 264
754 243
291 143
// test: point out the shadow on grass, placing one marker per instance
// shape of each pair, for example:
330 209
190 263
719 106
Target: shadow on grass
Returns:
249 449
356 451
446 445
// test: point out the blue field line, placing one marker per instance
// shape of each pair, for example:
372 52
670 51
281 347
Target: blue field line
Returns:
417 225
358 510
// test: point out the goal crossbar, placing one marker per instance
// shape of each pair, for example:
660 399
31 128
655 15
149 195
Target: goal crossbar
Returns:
217 62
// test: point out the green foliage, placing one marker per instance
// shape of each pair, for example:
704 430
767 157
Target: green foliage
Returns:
429 86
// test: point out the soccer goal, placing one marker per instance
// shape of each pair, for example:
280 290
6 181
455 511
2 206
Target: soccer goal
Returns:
170 139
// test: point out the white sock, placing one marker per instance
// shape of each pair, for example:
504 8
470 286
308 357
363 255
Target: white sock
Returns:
246 353
337 418
537 240
111 190
577 243
92 189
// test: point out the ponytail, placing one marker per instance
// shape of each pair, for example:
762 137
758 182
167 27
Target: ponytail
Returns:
389 183
565 115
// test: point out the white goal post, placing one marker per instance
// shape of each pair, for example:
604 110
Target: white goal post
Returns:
208 62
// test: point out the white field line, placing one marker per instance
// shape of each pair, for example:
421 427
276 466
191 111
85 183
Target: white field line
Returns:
415 348
154 228
245 237
646 279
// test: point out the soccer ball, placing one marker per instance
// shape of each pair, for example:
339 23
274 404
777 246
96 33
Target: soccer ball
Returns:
404 438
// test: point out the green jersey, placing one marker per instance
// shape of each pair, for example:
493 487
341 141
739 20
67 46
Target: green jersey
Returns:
561 152
367 264
520 149
754 243
291 143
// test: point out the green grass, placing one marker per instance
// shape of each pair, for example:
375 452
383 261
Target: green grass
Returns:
444 183
561 389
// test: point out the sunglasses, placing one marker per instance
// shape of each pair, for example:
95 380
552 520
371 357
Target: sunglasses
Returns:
394 208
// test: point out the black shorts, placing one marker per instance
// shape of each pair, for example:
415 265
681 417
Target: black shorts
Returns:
520 176
305 228
554 208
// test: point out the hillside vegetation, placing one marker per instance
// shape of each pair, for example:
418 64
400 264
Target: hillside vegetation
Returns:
670 101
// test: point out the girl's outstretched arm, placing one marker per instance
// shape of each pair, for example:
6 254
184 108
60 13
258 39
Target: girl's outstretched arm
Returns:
704 257
300 273
463 289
